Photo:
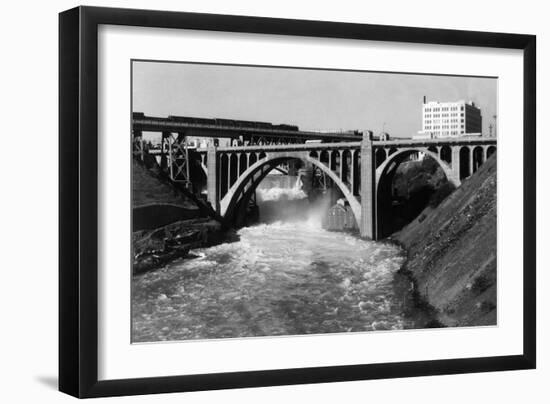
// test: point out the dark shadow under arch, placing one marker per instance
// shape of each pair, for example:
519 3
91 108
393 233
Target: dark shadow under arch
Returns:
446 154
478 158
387 220
223 173
464 162
490 151
380 156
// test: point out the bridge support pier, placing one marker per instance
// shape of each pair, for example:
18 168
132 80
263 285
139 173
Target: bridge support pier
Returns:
367 225
212 178
455 166
292 170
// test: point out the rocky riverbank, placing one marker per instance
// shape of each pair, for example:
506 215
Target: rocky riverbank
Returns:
154 248
168 221
452 252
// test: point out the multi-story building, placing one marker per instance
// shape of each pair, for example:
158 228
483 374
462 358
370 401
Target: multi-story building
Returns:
450 119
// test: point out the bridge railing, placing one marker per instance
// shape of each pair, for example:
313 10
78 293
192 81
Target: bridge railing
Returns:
375 143
293 147
451 141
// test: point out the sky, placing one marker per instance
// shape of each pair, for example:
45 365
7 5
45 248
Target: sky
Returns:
312 99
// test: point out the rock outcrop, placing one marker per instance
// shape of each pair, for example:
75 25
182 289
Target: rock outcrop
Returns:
154 248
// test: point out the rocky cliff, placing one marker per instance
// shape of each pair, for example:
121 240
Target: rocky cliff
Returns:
452 251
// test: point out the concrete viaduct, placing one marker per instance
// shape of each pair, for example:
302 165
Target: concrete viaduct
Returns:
362 170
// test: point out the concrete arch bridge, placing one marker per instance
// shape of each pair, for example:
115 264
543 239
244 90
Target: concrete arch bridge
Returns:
363 171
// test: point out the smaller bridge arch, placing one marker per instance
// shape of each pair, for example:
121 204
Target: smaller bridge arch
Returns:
383 199
490 151
399 156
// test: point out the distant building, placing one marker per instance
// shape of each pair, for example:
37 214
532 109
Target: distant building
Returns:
449 119
384 136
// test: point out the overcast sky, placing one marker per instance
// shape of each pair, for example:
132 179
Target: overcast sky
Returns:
311 99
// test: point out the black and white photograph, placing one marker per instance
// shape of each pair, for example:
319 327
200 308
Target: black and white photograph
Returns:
273 201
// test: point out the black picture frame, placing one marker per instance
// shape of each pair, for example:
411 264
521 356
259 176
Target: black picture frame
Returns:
78 201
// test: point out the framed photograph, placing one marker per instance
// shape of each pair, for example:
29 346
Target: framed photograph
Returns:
251 201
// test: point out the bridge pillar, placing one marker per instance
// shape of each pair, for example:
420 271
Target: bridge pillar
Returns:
342 162
212 177
228 171
455 165
368 194
238 165
292 169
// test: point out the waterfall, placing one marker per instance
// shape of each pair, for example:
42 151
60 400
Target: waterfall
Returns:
280 187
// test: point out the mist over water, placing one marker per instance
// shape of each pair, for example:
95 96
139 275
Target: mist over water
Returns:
285 276
282 199
278 187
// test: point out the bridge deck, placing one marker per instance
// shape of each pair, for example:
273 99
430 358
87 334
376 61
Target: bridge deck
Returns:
451 141
472 140
287 147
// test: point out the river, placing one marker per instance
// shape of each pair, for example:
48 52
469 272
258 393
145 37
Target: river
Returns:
282 277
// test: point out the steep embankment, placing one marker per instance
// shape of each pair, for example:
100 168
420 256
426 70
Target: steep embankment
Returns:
156 201
452 251
167 221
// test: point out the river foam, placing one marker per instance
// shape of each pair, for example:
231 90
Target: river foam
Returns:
282 278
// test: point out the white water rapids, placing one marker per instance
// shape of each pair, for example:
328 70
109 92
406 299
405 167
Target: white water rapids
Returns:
281 278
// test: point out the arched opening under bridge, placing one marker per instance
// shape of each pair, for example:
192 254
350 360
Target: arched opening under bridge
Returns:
478 158
490 151
407 182
236 200
464 162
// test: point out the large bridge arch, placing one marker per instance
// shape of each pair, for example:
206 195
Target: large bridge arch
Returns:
384 181
254 174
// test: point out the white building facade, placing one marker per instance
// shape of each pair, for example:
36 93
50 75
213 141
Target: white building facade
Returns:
449 119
